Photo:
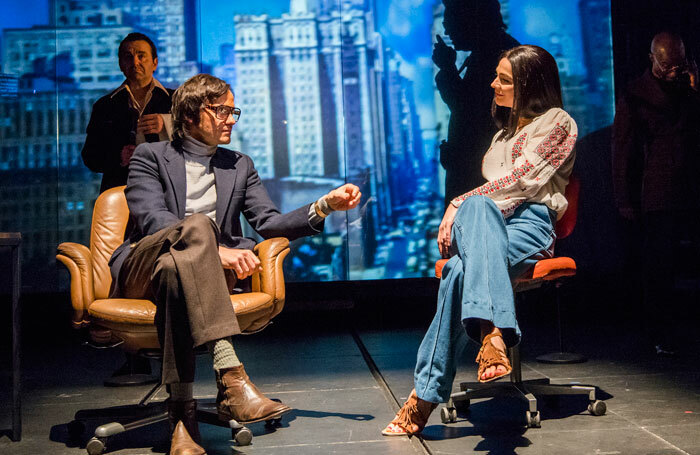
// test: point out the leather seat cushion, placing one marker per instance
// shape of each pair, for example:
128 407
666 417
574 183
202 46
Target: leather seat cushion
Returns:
142 312
129 311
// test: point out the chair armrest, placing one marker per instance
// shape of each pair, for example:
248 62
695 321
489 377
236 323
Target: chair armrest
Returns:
439 265
271 253
78 259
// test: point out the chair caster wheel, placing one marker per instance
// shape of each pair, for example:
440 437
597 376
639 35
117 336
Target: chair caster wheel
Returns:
243 437
448 415
597 408
533 419
239 433
96 446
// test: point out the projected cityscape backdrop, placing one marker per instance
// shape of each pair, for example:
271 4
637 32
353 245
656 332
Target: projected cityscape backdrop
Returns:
331 91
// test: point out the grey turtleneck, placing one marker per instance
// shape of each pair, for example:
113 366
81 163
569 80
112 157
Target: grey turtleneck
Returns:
201 186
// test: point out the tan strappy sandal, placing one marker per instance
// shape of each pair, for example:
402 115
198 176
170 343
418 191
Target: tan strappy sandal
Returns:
490 355
413 413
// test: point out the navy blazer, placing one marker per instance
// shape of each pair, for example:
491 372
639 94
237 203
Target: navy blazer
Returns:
156 193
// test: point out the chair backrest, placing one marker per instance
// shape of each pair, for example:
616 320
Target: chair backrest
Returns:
566 224
109 219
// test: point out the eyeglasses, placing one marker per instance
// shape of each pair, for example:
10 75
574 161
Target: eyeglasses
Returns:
222 111
665 69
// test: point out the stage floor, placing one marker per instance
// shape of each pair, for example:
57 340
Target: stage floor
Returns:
314 362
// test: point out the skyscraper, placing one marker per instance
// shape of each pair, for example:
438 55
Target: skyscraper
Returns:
174 33
9 85
83 54
309 83
597 56
54 188
258 93
320 103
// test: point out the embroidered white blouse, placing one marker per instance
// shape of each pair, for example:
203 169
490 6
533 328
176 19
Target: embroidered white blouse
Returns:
532 166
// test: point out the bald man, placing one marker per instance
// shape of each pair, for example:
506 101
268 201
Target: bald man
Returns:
656 160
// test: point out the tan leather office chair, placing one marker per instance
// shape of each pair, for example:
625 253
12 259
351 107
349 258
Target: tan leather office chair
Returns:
129 323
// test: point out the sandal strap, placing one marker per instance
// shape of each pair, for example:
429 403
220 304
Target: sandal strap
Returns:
487 345
410 415
489 336
490 355
407 416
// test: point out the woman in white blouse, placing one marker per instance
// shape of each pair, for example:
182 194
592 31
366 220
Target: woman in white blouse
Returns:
496 232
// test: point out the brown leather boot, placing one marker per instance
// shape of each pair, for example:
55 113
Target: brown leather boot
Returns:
185 411
240 400
182 444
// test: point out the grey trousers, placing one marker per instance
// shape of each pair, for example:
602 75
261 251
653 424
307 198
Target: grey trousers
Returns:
178 268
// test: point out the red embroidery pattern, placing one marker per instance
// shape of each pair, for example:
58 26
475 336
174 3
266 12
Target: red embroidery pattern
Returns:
499 184
557 146
508 211
518 147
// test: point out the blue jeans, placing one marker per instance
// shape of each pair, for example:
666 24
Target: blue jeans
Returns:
488 253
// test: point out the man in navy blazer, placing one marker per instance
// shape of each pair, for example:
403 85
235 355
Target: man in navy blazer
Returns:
185 198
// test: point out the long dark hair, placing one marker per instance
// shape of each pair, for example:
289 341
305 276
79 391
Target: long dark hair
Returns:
536 87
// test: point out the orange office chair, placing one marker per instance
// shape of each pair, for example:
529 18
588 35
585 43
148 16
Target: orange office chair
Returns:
129 323
545 271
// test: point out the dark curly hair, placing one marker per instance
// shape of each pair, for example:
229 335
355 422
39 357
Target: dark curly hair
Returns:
189 98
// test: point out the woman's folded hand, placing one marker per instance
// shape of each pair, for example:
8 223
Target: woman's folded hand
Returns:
444 239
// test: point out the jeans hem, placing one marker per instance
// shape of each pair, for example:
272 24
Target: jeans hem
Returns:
497 318
429 394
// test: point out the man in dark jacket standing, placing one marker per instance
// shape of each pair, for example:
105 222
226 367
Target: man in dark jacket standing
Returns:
137 111
656 158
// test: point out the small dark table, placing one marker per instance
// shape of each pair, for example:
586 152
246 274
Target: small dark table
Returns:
14 240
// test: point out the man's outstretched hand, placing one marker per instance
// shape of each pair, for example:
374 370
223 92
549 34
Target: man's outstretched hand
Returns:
344 198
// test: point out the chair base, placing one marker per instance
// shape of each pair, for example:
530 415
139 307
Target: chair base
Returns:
561 358
136 370
516 387
141 415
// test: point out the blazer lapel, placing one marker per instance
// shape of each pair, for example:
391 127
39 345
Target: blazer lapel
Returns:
224 164
175 165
